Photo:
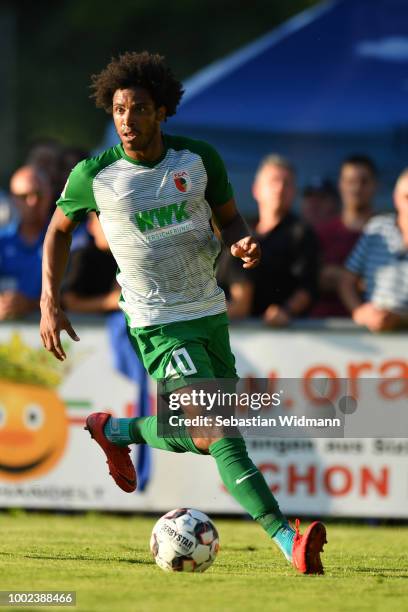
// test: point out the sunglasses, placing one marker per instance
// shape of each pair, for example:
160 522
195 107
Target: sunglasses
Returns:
25 196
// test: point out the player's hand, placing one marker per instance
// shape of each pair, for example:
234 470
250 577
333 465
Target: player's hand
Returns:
248 250
276 316
53 321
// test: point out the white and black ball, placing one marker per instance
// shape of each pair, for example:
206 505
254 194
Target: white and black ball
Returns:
184 540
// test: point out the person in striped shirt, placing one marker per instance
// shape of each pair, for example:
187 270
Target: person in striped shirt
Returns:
155 196
379 265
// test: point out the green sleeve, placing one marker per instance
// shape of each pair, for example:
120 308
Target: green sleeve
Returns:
219 189
77 198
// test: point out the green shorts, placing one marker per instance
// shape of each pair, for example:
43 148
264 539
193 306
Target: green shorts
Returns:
175 352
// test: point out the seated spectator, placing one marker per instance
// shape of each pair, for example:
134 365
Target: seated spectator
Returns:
320 202
283 284
337 237
380 262
21 244
45 154
90 285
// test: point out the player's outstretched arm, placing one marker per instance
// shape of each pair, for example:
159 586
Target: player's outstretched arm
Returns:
55 257
237 235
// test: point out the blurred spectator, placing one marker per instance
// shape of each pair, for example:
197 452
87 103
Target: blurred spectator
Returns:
282 286
21 244
320 202
8 212
45 154
70 157
337 237
380 262
90 285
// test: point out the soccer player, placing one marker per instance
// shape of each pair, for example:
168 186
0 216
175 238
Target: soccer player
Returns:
155 195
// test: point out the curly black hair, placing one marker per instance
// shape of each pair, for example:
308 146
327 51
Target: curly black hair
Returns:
132 69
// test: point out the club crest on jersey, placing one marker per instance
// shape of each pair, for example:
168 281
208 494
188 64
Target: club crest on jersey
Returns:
182 181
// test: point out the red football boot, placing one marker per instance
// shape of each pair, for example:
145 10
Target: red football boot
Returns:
120 465
307 548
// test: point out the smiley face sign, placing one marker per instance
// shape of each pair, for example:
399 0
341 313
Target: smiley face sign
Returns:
33 430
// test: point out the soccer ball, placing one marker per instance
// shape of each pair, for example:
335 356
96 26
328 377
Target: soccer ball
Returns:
184 540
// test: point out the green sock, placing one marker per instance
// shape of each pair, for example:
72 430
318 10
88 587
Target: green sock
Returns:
144 430
246 484
241 477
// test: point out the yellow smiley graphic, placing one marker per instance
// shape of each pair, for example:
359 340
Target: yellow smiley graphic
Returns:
33 430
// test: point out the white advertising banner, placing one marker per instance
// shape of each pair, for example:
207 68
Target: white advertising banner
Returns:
47 460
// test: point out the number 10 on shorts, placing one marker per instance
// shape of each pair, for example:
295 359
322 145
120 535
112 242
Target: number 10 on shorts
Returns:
180 364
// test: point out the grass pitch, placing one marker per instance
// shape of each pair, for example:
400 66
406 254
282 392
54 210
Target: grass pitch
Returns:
106 560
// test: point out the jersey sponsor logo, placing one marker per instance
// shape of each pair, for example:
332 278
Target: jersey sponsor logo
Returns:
165 216
180 364
182 181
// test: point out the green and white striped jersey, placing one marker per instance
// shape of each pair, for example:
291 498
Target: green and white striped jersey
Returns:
156 218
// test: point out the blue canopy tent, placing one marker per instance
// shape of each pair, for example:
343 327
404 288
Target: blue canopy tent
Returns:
330 81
